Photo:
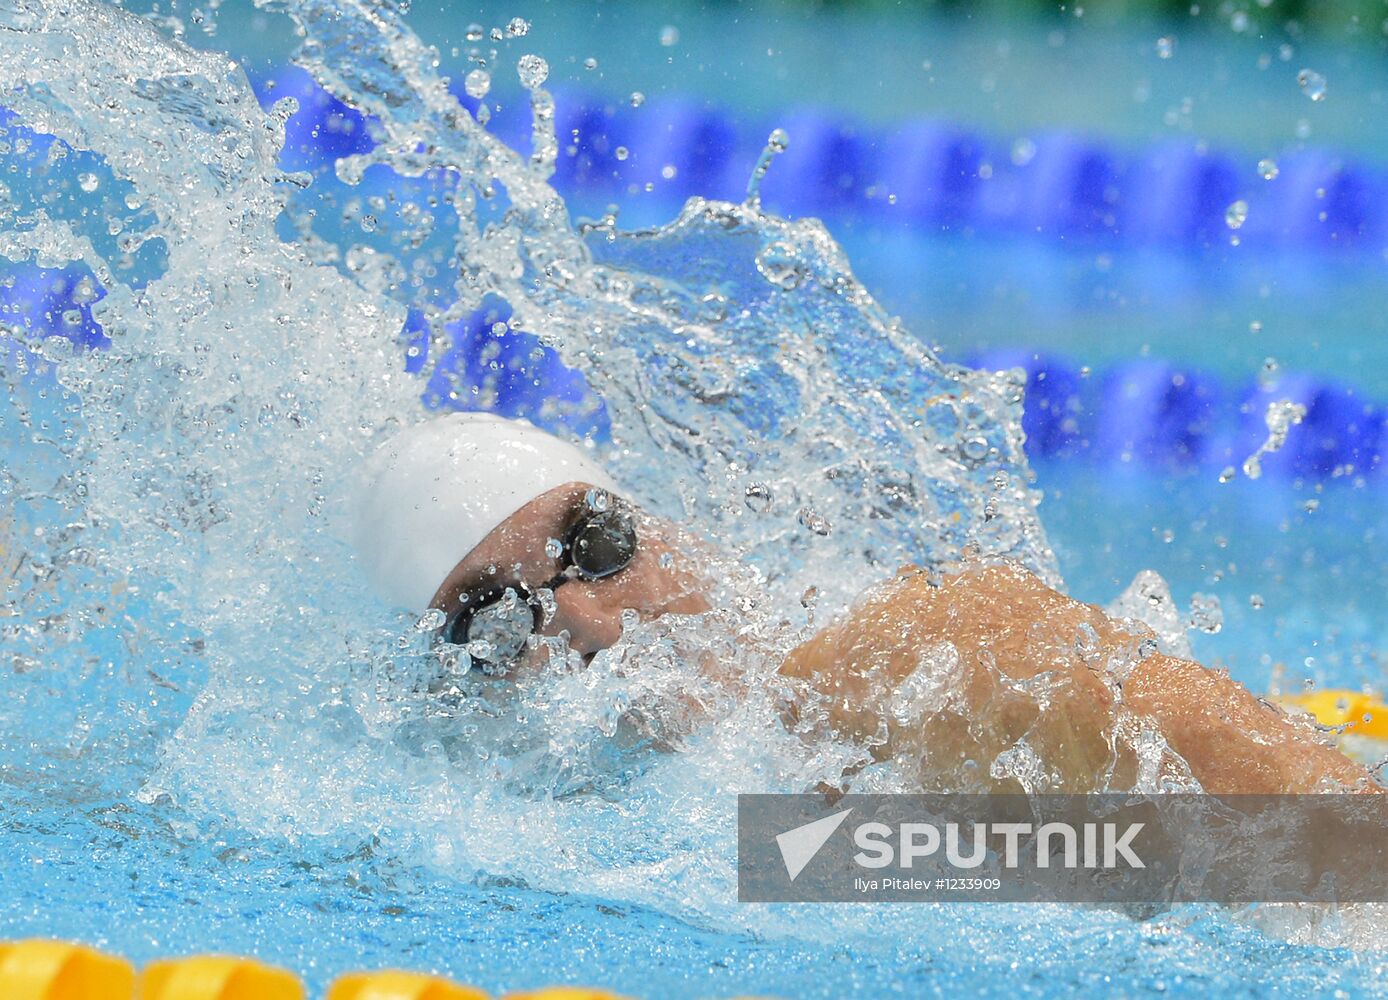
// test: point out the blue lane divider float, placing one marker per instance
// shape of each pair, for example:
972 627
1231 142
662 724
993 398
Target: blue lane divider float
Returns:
1150 413
1144 412
933 175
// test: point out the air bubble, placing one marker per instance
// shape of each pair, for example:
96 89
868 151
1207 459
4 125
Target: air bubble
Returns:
1267 168
975 449
518 27
474 33
669 35
779 263
590 63
1236 214
89 182
621 152
636 99
1166 45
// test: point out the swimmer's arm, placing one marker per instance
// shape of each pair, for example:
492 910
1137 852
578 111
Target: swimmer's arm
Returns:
1016 637
1234 741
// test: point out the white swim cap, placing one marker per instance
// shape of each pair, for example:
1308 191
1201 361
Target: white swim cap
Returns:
431 493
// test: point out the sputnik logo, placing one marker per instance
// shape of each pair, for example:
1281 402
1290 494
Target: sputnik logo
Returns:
799 846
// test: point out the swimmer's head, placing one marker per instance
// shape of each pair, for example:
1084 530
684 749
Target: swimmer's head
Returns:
457 511
434 491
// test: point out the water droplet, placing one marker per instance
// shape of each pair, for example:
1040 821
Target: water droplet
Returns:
554 548
477 83
597 500
621 152
814 521
1267 168
84 291
430 620
758 498
1206 614
1312 84
669 35
518 27
1227 475
590 63
1236 214
533 71
1282 415
1166 45
637 99
474 33
89 182
1255 601
496 34
776 144
1255 327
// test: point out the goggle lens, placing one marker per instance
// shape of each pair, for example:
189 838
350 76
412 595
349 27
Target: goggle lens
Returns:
602 545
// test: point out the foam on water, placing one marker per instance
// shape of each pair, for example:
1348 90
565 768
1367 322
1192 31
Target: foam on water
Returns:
183 488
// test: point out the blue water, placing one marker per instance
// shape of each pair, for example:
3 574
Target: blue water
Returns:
92 853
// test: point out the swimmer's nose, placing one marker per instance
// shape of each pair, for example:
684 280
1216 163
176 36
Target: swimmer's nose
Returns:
587 612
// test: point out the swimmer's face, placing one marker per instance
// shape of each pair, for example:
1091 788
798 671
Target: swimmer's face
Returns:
657 580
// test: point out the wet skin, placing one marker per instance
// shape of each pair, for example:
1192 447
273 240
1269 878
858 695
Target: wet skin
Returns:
1009 630
590 611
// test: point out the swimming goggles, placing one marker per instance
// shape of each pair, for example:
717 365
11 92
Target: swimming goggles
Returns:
496 623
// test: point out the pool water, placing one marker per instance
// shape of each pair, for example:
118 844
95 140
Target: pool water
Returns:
207 746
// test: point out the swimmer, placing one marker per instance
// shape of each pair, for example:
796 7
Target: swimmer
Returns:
490 520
